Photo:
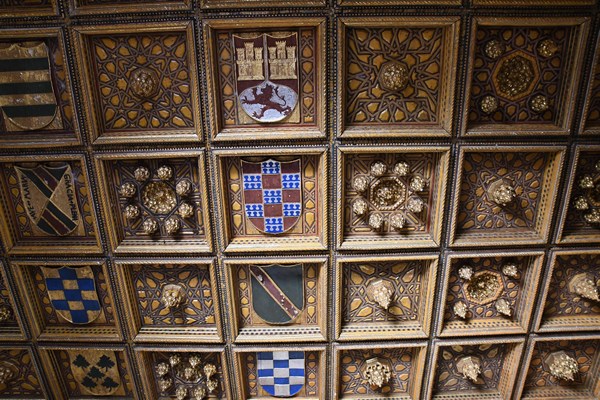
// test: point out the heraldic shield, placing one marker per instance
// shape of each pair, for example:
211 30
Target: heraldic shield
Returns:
272 194
27 96
281 373
49 196
277 292
267 79
73 294
95 371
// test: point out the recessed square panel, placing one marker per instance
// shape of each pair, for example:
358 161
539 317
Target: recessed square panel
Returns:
523 74
68 300
151 94
396 76
171 300
265 372
570 298
36 104
155 204
273 200
384 297
47 205
489 293
78 371
483 368
565 367
20 373
199 372
505 195
283 298
373 371
10 321
580 209
390 197
266 78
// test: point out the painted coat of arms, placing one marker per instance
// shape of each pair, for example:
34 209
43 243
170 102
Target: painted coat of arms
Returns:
27 96
267 78
277 292
72 292
49 197
95 371
272 194
281 373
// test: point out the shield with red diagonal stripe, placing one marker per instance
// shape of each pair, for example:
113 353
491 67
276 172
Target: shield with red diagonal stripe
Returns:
272 194
277 292
49 197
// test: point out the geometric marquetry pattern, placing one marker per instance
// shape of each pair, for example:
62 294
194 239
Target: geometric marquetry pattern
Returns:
26 383
448 377
367 102
171 108
148 281
353 383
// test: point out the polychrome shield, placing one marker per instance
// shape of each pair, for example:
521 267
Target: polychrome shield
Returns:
95 371
277 292
281 373
272 194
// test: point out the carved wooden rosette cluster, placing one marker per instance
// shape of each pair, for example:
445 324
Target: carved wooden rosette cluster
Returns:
484 287
8 372
185 377
377 372
562 366
5 313
584 285
588 203
470 368
387 195
158 198
381 292
173 296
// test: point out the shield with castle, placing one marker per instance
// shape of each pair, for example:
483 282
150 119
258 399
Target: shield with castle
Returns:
267 75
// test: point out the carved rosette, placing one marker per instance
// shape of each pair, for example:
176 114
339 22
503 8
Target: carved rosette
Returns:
588 204
144 83
377 372
470 368
381 292
562 366
186 376
583 285
394 76
388 194
159 201
173 296
501 192
5 313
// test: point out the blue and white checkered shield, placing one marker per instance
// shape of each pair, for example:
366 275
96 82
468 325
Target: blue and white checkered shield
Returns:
281 373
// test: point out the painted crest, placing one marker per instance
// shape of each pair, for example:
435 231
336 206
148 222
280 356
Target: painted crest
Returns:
277 292
95 371
267 78
49 196
272 194
72 292
27 96
281 373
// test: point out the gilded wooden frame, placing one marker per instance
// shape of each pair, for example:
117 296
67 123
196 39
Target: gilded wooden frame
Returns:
533 3
579 238
32 305
167 334
508 374
568 93
265 132
447 84
284 333
31 11
238 368
216 4
271 243
16 140
583 322
8 229
430 239
159 246
37 366
56 381
583 128
416 378
565 393
80 35
397 2
116 7
391 330
549 193
10 333
146 369
518 323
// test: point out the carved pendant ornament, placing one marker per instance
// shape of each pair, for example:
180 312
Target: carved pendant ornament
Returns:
5 313
562 366
484 287
8 373
186 376
588 203
267 75
377 372
583 285
470 368
381 292
388 195
157 198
